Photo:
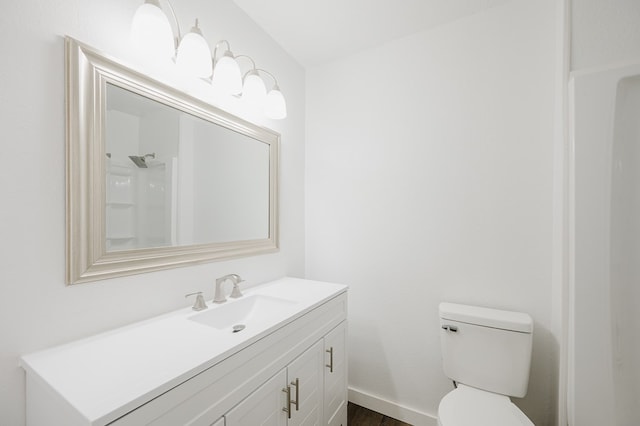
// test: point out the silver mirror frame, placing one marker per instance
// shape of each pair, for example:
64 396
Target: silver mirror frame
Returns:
87 73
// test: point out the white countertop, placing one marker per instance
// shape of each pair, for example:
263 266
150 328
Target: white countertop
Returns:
119 370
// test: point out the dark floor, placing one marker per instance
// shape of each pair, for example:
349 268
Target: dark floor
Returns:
360 416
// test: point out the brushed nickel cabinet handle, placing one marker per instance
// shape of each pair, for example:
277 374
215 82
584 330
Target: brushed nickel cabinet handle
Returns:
297 401
287 409
330 365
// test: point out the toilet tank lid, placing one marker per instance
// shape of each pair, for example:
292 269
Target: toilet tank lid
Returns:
487 317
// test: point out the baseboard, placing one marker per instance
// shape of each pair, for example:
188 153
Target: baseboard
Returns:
391 409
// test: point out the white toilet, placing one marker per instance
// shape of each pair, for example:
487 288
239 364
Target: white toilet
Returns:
487 353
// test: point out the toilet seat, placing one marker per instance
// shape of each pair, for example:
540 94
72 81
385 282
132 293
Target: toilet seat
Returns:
467 406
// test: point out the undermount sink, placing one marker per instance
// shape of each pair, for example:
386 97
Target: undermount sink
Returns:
246 311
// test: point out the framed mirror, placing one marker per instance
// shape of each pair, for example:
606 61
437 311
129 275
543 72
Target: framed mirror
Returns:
157 178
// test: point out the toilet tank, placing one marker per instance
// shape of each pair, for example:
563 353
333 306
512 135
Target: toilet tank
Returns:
486 348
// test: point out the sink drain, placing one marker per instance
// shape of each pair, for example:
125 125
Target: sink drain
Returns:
238 327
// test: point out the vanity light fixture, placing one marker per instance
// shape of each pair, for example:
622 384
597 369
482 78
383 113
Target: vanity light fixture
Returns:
254 92
226 71
275 107
193 55
151 33
153 36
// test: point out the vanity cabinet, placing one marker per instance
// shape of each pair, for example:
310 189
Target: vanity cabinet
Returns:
212 393
312 390
247 383
335 376
293 397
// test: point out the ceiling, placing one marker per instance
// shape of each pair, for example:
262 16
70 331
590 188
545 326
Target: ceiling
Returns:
314 32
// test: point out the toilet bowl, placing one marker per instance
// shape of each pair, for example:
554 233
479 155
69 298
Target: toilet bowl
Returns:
487 353
467 406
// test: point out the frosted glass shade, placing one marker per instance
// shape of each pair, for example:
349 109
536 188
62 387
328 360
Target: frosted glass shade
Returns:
151 33
254 91
226 75
194 55
275 105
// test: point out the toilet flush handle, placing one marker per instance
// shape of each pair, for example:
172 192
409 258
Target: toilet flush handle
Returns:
452 328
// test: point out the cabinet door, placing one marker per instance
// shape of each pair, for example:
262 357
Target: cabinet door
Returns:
306 379
335 376
264 407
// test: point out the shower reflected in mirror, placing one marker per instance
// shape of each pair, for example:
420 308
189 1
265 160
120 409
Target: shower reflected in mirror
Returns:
141 160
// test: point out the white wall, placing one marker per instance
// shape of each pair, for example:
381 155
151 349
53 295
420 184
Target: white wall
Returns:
430 177
604 33
37 310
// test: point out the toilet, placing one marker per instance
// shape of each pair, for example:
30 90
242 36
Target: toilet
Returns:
487 353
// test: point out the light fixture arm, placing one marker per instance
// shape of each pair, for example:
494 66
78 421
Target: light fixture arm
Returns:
257 70
215 50
253 64
275 82
175 19
156 3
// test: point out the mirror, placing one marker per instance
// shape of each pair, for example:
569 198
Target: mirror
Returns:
175 179
157 178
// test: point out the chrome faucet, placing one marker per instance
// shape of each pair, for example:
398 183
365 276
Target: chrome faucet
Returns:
219 296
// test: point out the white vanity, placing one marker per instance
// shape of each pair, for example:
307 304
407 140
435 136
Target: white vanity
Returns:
287 366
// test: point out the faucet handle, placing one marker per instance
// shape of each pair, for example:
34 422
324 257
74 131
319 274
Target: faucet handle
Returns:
235 293
200 304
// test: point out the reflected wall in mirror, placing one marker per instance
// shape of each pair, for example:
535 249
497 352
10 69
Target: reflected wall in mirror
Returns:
158 179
